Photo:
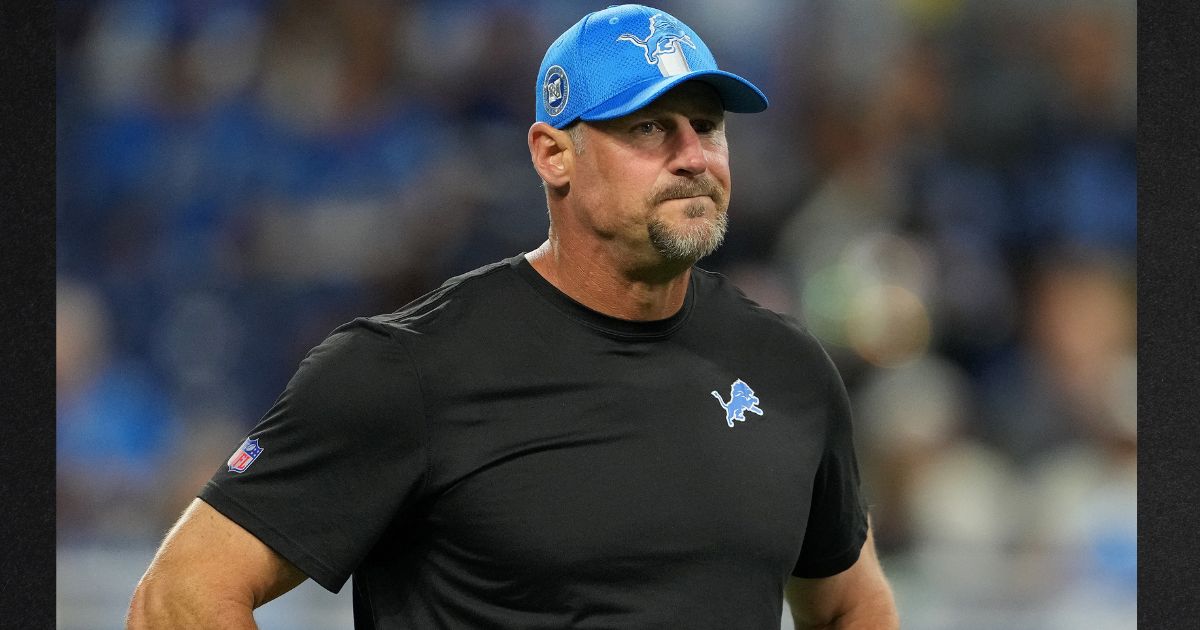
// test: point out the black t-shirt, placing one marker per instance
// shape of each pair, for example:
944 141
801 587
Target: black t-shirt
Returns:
496 455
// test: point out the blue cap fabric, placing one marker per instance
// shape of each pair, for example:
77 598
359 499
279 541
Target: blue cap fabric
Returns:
618 60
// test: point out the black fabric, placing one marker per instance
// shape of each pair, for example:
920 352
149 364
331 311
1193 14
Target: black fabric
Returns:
496 455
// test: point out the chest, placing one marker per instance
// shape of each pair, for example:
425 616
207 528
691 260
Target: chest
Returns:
634 457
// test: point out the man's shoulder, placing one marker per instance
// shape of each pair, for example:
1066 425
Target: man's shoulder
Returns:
734 307
461 297
730 320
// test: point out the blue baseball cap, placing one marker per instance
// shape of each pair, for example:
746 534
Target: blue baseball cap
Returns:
618 60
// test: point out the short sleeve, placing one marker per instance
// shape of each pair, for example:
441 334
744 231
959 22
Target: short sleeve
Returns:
342 454
837 519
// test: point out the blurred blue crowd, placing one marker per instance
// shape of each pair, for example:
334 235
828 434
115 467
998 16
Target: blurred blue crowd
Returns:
942 190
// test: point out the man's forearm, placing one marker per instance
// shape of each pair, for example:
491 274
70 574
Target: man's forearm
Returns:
154 608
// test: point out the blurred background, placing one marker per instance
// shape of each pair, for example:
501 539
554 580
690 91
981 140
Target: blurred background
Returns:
943 191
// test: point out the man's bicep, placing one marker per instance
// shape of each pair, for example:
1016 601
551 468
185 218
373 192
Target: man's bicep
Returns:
814 601
859 595
208 551
337 459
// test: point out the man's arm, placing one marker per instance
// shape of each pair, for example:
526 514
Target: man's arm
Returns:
209 573
858 598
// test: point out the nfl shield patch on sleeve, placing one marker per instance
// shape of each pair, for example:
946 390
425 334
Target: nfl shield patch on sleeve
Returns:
244 456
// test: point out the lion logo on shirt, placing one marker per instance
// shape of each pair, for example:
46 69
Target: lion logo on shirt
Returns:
741 400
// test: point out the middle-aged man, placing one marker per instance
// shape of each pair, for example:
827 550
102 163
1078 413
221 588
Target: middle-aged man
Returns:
595 434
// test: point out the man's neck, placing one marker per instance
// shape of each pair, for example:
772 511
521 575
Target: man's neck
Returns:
600 283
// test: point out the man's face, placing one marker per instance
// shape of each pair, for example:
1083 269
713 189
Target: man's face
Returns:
657 180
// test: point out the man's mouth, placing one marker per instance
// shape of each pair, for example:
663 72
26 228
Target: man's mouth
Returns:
690 190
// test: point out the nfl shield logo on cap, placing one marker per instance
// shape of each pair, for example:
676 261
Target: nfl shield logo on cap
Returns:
244 456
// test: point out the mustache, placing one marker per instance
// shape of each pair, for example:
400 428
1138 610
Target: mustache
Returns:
704 186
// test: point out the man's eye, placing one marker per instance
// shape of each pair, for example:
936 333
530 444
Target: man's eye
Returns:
704 126
646 128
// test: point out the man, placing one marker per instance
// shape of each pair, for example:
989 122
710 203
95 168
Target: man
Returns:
535 444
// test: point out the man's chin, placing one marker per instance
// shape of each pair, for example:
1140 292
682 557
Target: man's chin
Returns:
691 241
692 207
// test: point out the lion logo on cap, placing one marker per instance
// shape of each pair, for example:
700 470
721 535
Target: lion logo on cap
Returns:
661 46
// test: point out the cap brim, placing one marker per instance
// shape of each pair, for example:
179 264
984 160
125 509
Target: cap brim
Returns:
737 94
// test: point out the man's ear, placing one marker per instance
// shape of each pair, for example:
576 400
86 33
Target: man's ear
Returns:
552 153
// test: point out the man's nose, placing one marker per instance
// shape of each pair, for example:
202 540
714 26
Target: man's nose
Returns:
688 158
